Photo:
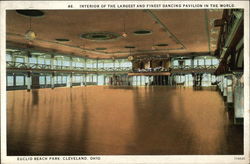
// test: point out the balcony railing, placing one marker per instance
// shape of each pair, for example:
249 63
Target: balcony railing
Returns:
20 66
187 67
30 66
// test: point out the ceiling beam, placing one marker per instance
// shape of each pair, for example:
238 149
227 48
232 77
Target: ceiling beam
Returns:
169 33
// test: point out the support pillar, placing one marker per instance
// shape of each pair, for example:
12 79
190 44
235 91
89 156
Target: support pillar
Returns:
225 87
71 80
81 80
71 63
52 62
28 82
53 80
85 79
192 62
229 92
238 99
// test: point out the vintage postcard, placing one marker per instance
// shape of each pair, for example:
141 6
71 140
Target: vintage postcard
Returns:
124 82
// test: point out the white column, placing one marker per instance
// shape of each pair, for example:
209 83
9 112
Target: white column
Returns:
52 61
71 79
70 63
82 80
224 86
238 99
53 80
229 90
28 82
85 79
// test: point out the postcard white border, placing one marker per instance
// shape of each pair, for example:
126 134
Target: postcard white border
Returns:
5 5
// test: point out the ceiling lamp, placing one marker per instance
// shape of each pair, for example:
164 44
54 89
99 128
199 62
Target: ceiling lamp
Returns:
130 57
124 34
153 46
30 35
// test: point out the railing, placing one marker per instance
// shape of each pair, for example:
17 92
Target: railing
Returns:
188 67
159 69
19 65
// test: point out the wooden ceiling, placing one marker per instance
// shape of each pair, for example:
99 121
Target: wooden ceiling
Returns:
183 30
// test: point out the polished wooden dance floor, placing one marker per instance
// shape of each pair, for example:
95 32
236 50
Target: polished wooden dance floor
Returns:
106 120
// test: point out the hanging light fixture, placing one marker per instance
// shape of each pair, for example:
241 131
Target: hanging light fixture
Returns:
30 35
124 34
130 57
153 46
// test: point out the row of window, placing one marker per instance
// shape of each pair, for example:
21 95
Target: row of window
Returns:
90 63
197 62
16 81
141 80
21 80
188 80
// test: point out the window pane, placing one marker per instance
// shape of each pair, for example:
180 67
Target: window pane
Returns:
48 79
59 79
134 80
126 64
20 60
175 63
108 65
89 65
78 64
100 65
59 62
100 79
188 62
116 64
89 78
66 63
40 61
201 62
76 79
215 61
208 61
64 79
10 81
94 65
32 60
47 61
8 57
42 80
94 78
19 80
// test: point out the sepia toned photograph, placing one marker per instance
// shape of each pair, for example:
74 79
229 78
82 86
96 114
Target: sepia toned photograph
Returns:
85 84
124 82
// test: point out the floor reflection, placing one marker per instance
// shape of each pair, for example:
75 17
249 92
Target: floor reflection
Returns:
120 121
